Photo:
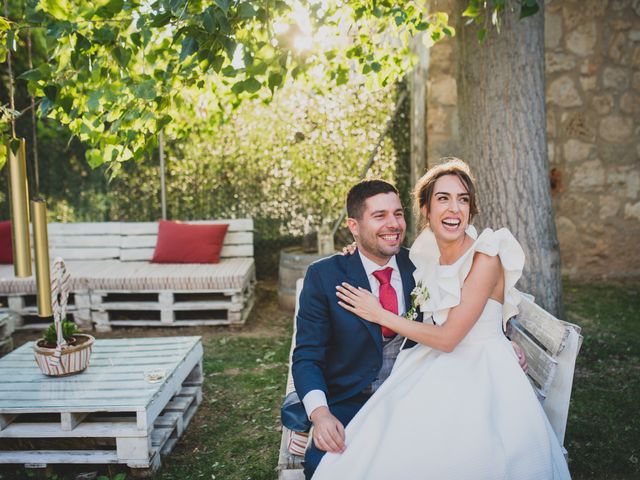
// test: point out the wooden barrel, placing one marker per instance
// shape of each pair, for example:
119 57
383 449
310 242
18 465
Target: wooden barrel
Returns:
293 265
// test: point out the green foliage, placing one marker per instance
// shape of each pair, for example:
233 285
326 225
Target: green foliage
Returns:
488 13
68 330
116 71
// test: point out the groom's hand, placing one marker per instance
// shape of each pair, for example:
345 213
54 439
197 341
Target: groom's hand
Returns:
522 359
328 432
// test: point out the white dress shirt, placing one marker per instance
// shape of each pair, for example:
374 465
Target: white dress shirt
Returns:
317 398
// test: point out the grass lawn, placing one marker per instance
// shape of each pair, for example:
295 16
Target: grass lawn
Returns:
236 434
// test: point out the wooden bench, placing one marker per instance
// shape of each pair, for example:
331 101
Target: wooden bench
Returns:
114 284
550 345
292 444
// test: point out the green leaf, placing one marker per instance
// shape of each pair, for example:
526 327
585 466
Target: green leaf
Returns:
189 47
342 76
45 106
376 67
238 87
162 122
223 22
66 103
110 9
275 80
252 85
11 41
528 9
56 8
209 21
246 10
94 100
216 63
224 5
161 19
136 38
229 71
4 25
43 71
145 90
104 36
51 91
482 34
472 11
94 158
122 56
82 44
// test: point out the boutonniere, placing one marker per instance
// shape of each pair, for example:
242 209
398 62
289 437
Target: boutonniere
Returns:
419 295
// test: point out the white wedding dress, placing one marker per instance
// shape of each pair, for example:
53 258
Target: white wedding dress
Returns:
470 414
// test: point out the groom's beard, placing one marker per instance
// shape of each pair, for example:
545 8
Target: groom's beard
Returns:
380 245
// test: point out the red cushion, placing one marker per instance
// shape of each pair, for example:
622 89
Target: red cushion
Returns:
186 243
6 251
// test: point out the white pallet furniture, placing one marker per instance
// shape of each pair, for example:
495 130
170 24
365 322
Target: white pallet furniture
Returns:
6 329
292 444
550 345
113 282
130 406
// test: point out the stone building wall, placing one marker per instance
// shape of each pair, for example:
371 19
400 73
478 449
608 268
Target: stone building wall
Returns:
592 58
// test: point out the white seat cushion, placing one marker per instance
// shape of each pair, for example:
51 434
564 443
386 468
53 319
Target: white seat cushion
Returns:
113 275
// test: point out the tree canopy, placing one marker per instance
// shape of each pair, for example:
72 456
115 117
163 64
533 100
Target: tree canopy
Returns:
117 72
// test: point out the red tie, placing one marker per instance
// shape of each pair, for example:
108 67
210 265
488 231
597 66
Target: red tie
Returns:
388 297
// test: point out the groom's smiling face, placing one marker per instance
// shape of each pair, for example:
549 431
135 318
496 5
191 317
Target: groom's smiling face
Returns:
380 230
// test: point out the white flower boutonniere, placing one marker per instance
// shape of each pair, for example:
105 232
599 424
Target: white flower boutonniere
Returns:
419 295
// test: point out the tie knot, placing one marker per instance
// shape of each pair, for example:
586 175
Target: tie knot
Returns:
384 275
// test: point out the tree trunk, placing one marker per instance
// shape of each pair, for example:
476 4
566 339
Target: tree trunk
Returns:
501 104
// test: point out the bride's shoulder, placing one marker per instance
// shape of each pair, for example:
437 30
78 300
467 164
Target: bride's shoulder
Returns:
500 243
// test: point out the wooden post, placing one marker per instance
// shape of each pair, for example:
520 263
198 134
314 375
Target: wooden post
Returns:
418 120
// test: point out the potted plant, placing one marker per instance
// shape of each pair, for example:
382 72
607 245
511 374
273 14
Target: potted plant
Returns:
62 350
65 358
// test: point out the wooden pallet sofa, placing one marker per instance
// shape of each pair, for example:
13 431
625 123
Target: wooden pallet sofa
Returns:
114 284
550 345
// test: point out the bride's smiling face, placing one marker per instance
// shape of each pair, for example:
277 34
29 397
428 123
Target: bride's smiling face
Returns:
448 213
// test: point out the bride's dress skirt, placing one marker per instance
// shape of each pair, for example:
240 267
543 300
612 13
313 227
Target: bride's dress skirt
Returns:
469 414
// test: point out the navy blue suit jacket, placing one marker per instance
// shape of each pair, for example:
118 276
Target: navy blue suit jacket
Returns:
336 351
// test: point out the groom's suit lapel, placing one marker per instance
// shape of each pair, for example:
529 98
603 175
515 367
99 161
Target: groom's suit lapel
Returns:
406 273
408 283
357 277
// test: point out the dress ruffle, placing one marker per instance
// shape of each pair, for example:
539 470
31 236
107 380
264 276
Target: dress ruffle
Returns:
444 282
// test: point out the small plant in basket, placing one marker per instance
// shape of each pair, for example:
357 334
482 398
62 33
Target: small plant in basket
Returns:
62 350
50 339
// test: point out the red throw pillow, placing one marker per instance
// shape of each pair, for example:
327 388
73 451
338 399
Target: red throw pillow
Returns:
188 243
6 250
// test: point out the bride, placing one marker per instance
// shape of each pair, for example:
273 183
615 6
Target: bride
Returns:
456 406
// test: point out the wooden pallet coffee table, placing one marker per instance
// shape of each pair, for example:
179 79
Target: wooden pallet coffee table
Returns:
130 406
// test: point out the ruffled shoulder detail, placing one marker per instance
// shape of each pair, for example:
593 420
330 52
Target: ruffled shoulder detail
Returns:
444 282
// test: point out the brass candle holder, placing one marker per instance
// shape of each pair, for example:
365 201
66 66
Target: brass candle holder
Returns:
41 247
19 199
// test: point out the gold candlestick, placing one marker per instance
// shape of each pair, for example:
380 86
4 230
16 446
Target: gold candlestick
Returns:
16 156
41 247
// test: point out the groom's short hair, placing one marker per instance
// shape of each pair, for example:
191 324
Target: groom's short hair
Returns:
357 196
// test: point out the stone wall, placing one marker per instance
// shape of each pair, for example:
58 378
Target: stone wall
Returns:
592 57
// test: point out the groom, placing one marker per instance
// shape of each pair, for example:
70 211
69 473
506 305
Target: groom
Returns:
340 359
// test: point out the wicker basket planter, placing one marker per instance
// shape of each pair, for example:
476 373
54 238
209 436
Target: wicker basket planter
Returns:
74 358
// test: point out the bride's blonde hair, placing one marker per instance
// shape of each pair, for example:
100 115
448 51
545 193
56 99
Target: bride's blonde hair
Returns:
446 166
